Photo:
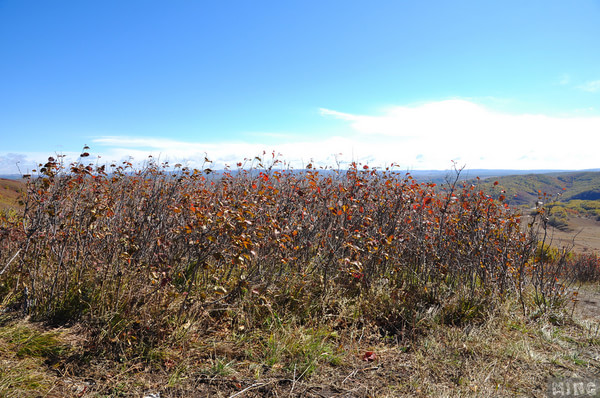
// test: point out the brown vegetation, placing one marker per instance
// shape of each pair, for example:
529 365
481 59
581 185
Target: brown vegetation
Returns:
267 273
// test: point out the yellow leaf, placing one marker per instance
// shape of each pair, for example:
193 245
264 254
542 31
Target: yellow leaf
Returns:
220 290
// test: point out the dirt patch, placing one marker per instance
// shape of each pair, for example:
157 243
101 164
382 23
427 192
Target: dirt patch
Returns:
587 302
583 235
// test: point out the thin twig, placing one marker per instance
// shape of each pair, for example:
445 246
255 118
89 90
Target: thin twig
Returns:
294 382
10 261
491 371
256 385
355 372
305 370
352 374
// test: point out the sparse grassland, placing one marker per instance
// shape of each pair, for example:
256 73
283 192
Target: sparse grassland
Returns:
10 192
264 281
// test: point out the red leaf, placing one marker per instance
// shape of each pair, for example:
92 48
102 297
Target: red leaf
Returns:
369 356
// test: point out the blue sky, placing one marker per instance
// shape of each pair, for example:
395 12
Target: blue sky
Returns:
505 84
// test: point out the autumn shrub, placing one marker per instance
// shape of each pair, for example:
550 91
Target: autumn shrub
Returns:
138 253
585 267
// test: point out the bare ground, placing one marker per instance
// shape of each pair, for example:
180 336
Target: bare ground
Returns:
583 235
587 303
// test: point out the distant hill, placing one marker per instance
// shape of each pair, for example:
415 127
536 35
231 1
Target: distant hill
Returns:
564 186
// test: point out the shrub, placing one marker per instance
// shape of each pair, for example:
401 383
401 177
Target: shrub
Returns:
138 254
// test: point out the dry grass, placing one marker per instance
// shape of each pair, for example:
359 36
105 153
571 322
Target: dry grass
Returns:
507 355
10 193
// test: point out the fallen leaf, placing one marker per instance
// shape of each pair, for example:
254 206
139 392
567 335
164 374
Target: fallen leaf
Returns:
369 356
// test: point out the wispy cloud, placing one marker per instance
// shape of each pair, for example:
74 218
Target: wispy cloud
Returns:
565 79
591 86
21 163
11 163
424 136
271 135
296 153
431 119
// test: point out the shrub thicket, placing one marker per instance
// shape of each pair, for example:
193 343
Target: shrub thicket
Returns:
139 255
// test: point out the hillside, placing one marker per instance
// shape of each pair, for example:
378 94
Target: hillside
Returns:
10 190
523 190
571 198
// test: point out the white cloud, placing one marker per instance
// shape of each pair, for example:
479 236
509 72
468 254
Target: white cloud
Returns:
431 118
424 136
478 136
591 86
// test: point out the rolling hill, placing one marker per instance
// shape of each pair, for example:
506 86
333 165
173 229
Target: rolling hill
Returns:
526 189
10 190
572 198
